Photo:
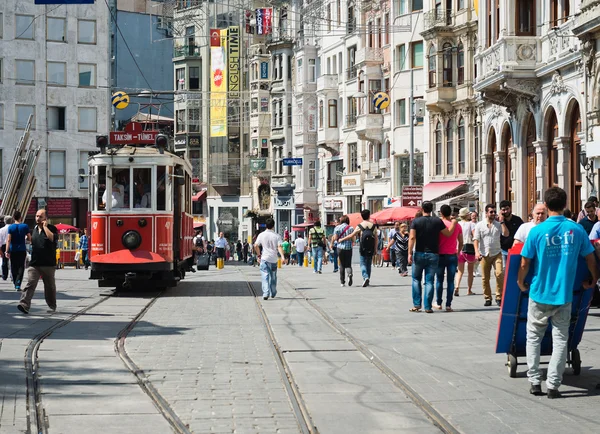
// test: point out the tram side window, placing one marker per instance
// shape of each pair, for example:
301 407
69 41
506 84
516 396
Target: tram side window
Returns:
100 188
161 189
120 189
142 193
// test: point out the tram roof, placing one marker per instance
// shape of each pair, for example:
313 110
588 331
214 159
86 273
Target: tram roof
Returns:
145 152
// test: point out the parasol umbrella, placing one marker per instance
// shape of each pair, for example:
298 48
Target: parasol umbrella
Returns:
394 214
355 219
65 229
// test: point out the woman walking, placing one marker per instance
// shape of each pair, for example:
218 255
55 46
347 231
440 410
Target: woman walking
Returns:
467 254
400 242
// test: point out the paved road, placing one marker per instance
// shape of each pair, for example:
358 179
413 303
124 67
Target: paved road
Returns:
205 349
449 359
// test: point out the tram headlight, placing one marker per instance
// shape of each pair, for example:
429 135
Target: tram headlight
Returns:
132 239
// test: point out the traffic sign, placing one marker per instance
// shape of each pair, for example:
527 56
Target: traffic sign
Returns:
412 195
133 135
292 161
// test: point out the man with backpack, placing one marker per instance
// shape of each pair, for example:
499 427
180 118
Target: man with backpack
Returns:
368 245
316 242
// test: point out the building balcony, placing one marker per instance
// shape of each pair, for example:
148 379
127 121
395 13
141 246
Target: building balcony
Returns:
327 82
351 72
369 126
186 51
559 44
279 36
507 70
369 55
277 133
284 202
371 170
384 167
437 20
329 138
440 98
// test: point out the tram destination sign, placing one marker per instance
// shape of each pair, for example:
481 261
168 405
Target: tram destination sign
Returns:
133 135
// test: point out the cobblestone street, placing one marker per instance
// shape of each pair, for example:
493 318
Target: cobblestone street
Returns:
357 361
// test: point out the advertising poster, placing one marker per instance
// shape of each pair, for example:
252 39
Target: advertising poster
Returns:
234 62
260 16
218 83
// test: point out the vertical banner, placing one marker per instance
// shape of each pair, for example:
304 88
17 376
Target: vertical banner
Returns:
259 21
248 20
233 62
268 20
218 83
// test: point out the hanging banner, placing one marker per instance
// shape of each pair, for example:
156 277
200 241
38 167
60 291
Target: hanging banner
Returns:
268 14
218 84
248 20
234 62
259 21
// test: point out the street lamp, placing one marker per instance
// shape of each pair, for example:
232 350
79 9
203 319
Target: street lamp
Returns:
584 161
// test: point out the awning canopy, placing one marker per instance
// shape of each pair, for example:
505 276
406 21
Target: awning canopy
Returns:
199 196
303 226
145 117
198 225
462 199
433 190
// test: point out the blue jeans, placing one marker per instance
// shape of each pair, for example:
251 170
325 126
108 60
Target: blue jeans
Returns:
365 266
317 253
268 273
449 263
334 259
427 262
300 258
504 258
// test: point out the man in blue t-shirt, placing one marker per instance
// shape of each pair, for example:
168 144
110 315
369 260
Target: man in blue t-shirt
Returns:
16 250
556 245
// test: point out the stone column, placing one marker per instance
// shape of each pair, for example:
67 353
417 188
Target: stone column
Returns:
541 172
486 171
514 164
562 165
500 171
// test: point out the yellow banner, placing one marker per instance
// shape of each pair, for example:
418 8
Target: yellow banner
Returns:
476 6
218 88
234 62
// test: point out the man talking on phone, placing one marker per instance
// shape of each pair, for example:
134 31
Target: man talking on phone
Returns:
42 264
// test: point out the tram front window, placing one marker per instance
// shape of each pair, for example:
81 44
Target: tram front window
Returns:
120 189
100 188
142 194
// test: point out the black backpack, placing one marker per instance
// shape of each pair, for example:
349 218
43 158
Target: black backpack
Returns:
367 241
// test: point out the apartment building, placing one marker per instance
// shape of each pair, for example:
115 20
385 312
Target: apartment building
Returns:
54 65
212 108
530 73
450 39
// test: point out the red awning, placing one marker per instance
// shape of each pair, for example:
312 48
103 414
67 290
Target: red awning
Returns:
394 214
355 219
302 226
433 190
199 196
198 225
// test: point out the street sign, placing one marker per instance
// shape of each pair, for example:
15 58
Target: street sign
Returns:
412 195
292 161
133 135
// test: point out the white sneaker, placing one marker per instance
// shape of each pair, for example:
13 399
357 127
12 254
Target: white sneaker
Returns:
343 285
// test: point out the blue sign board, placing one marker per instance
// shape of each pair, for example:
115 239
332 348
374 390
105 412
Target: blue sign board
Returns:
264 70
292 161
64 2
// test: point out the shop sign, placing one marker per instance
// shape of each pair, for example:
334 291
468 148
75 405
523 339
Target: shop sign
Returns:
332 204
59 207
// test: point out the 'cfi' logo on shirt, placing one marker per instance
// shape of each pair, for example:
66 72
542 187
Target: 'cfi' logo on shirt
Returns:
561 240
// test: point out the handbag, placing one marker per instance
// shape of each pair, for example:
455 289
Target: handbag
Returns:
468 249
77 255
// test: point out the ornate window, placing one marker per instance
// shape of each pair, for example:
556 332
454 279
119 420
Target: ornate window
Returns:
460 64
447 68
525 18
431 66
450 148
552 134
438 149
332 114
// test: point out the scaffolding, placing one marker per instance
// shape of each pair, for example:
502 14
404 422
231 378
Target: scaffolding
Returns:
20 184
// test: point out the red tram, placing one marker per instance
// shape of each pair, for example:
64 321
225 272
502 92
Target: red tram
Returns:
140 217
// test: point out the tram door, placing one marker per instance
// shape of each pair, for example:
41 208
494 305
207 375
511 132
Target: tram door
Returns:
178 188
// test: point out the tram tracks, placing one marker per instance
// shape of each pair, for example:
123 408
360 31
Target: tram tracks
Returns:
37 419
420 402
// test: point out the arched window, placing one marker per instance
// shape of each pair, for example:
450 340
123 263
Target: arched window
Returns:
332 113
321 114
462 151
507 144
460 64
552 134
447 62
438 149
450 148
431 66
